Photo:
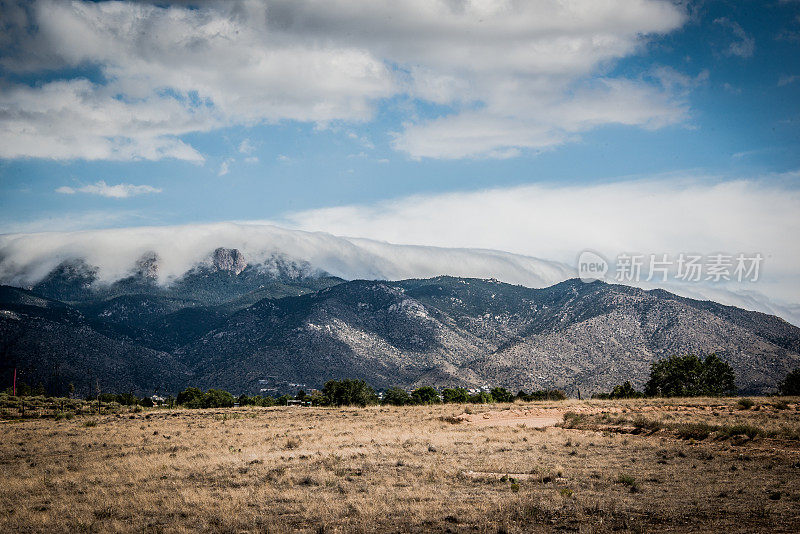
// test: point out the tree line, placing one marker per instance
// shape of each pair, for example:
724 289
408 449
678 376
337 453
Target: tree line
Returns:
354 392
676 376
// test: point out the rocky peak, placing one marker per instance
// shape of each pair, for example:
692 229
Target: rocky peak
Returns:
147 266
229 259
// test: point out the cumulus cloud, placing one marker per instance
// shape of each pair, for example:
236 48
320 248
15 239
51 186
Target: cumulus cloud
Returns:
513 75
103 189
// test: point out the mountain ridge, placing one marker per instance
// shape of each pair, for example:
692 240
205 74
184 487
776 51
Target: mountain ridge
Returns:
231 325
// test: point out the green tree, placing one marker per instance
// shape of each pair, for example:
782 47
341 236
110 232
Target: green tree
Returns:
690 376
791 384
425 395
217 398
502 395
481 398
348 392
191 398
455 395
396 396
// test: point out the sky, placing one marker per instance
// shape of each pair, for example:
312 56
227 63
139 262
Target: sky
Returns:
539 128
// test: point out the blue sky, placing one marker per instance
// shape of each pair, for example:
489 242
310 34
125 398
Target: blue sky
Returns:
489 124
742 107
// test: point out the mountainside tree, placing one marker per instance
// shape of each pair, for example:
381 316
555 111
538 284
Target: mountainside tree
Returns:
690 376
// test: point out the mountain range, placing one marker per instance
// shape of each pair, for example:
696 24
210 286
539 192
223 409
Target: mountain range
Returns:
278 324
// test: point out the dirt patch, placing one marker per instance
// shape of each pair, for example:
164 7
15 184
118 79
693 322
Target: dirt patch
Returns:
528 418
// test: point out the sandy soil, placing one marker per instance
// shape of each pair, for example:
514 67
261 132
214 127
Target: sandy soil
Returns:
530 418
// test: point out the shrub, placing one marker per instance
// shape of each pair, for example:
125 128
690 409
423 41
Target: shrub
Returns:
648 424
781 405
741 430
622 391
745 404
627 480
542 395
698 431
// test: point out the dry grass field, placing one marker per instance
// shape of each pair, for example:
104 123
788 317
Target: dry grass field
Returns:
635 466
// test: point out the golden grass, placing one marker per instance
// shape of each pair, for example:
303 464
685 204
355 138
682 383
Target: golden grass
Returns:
386 469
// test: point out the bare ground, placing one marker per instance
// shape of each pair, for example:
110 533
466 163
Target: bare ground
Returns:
414 469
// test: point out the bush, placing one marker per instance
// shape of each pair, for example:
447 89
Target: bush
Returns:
542 395
790 386
396 396
745 404
698 431
690 376
628 480
621 391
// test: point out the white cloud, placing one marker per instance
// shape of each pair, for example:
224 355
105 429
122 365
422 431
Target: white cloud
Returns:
103 189
745 46
174 70
26 258
246 147
541 123
224 167
669 215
